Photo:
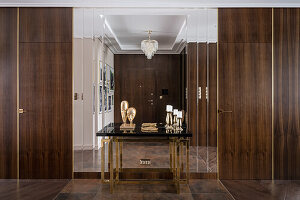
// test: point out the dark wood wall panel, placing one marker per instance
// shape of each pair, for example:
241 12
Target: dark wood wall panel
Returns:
245 25
140 81
46 93
192 88
212 95
245 88
8 93
202 102
46 25
287 93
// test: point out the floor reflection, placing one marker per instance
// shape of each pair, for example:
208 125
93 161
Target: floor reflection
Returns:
202 159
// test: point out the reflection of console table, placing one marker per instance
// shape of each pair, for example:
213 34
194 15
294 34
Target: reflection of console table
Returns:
115 138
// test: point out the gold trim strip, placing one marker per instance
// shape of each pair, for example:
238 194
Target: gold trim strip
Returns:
72 97
18 97
218 174
272 93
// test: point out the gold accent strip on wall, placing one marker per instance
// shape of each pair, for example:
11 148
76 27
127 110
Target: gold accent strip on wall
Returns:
18 96
272 93
72 97
218 173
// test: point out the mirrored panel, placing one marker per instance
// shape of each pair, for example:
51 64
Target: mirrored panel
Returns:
177 68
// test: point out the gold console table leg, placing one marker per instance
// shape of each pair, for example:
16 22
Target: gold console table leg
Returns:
121 156
117 160
187 143
178 166
103 141
111 166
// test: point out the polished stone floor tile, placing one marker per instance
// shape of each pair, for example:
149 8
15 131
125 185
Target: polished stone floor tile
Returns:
206 186
259 189
75 196
82 186
212 196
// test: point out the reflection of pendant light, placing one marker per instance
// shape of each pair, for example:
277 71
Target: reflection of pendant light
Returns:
149 47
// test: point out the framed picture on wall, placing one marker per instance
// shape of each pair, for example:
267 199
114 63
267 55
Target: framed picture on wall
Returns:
112 80
100 99
105 98
109 103
100 71
104 73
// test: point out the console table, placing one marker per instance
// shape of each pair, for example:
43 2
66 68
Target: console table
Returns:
114 137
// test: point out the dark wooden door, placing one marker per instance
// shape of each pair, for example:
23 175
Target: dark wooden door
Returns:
46 97
140 92
245 82
45 77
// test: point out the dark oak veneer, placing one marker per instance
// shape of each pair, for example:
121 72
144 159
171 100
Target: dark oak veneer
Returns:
287 93
192 91
46 24
139 80
8 93
46 93
245 88
245 25
212 95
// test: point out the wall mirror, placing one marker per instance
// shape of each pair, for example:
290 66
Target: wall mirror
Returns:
112 68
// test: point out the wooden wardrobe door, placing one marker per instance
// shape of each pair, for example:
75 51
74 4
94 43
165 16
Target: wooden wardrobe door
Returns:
245 84
46 97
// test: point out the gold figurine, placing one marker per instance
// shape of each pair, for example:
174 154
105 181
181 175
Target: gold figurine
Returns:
124 108
127 113
131 112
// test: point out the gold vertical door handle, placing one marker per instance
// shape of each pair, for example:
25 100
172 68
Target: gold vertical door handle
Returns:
220 111
21 111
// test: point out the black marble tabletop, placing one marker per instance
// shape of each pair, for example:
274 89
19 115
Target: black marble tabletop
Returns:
113 129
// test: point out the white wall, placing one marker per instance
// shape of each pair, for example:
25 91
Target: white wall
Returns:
87 51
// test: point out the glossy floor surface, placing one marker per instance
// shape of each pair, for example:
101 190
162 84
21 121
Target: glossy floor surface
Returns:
202 159
197 189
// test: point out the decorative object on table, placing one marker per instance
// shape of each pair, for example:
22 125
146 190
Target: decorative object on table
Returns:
149 47
149 127
175 122
131 112
179 118
169 117
124 108
109 103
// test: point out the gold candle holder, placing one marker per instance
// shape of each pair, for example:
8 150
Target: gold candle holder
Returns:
180 120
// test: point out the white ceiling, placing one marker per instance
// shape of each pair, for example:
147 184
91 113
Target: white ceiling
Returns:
153 3
124 31
130 30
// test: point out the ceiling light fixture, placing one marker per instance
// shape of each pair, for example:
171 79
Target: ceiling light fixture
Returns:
149 47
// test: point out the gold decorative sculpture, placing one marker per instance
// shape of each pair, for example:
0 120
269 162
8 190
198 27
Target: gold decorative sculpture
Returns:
127 113
124 108
131 112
